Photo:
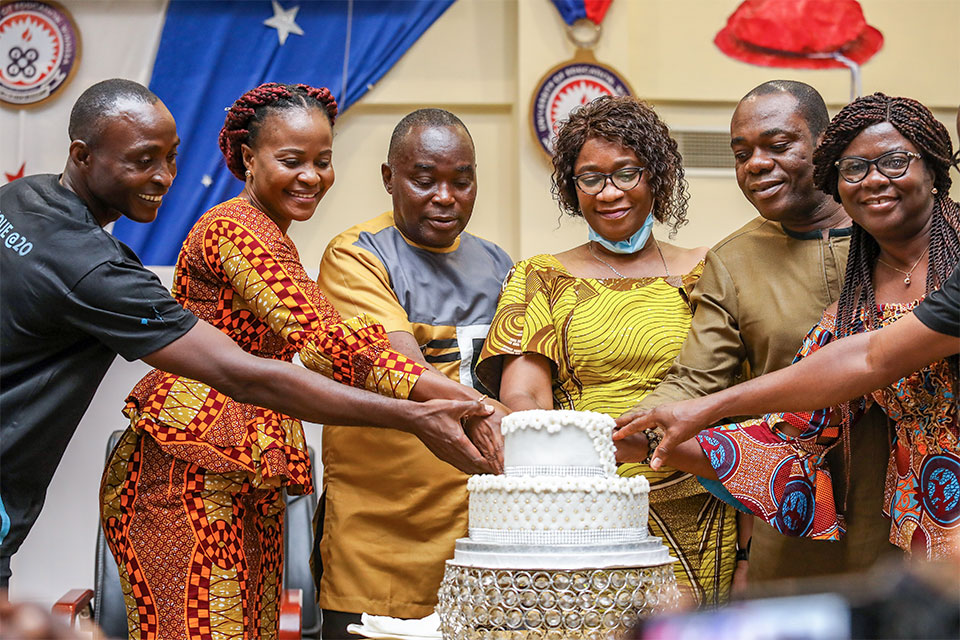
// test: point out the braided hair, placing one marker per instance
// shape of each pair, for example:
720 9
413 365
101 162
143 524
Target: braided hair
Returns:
247 114
918 125
915 123
634 125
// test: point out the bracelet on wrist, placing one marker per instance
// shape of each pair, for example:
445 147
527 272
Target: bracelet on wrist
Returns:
654 436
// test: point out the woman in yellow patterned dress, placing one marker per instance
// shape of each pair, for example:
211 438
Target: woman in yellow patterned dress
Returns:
191 500
595 328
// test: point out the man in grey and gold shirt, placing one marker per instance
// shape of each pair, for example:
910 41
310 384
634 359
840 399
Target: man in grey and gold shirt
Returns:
389 516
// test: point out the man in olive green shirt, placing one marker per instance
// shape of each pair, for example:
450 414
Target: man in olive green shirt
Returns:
763 288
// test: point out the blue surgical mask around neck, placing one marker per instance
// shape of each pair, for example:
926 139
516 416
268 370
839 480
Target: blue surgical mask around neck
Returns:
632 244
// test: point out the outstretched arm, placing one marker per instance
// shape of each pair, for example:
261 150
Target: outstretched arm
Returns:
206 354
713 353
835 373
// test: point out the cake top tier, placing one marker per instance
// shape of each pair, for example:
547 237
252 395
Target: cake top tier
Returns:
571 442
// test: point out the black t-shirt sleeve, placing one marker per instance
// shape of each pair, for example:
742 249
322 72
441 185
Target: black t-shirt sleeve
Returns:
940 311
127 308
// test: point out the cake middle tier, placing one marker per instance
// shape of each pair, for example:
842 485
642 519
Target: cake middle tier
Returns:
557 510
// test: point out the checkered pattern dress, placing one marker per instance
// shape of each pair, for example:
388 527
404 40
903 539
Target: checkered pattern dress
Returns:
190 498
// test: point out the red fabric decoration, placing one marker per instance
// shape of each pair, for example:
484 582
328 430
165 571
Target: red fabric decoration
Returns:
799 33
596 9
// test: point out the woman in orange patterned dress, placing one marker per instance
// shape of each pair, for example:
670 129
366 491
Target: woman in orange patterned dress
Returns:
191 499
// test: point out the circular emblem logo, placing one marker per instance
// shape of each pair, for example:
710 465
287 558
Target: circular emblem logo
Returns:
39 51
722 451
795 514
566 87
940 489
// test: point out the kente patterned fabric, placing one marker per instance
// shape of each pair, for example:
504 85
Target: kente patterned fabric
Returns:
200 554
785 480
191 502
610 342
238 272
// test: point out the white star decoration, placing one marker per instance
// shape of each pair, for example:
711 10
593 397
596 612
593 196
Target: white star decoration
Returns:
206 180
284 21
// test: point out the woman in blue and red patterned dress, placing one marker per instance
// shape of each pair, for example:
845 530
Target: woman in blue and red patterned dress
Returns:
191 499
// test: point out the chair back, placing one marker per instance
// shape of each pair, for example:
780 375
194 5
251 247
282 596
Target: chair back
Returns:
297 546
109 608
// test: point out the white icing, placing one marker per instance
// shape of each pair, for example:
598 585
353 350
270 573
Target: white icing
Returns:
565 438
557 538
552 484
557 503
649 552
560 495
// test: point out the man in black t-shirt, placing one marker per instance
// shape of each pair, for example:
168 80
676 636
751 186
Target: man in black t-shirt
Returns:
72 297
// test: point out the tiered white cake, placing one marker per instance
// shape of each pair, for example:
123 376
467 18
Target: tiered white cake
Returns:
560 504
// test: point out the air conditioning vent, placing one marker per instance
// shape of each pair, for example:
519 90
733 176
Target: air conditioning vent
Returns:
704 149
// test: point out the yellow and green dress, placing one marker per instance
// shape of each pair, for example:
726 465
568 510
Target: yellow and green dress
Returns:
610 342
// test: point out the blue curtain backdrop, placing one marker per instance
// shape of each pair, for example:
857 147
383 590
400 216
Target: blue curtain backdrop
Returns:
211 52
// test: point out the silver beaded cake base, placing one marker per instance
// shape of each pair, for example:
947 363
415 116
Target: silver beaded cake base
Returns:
584 604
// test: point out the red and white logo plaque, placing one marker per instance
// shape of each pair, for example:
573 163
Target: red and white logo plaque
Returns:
39 51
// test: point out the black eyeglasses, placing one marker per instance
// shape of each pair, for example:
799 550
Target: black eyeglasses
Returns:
593 182
892 164
956 160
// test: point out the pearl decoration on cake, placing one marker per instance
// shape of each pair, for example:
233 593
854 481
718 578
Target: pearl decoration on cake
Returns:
597 426
519 503
560 485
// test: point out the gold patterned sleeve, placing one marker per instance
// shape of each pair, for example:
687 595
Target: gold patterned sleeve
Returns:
522 324
268 281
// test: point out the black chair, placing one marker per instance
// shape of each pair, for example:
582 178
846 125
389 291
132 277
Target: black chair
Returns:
297 546
299 613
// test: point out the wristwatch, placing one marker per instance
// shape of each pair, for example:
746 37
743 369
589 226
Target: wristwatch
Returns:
744 554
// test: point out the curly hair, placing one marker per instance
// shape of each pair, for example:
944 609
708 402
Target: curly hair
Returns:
634 124
918 125
247 114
